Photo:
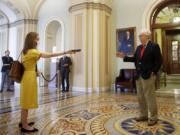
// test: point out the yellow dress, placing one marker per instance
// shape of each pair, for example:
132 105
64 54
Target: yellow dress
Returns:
28 86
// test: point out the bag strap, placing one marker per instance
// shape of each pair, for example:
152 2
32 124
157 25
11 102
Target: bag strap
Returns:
19 55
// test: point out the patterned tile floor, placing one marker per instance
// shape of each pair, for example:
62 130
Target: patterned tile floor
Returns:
79 113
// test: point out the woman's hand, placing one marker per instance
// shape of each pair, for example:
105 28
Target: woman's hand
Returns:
70 52
38 73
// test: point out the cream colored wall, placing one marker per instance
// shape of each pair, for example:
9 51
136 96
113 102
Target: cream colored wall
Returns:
159 37
12 38
3 42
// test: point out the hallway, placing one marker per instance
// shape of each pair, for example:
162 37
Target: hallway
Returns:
108 33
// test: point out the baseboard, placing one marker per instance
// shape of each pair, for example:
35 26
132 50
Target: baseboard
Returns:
89 90
113 87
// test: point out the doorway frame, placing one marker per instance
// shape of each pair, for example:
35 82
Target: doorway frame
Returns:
62 27
164 48
164 27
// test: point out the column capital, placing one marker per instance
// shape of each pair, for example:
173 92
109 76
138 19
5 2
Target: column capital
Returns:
91 4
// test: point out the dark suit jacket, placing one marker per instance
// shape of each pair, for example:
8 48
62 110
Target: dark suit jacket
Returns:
150 62
6 60
65 60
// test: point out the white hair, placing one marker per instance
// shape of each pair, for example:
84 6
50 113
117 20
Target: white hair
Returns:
145 32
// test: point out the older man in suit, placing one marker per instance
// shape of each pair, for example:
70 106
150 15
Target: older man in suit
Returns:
64 67
148 60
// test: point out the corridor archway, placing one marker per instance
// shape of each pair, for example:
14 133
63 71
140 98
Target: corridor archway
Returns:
53 43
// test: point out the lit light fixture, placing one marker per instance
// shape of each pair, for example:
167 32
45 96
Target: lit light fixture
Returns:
176 19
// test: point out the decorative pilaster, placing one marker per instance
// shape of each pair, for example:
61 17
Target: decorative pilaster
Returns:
91 23
12 35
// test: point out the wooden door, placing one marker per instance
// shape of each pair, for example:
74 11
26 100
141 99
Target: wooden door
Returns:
173 51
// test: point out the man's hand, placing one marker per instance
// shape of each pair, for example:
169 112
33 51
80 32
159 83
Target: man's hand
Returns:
120 54
6 64
65 65
153 75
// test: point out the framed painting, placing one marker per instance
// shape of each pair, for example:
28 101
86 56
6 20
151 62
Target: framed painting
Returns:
126 40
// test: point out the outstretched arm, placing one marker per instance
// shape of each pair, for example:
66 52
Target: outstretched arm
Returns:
50 55
129 59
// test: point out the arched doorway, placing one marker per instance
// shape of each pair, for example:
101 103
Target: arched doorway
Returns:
165 26
53 43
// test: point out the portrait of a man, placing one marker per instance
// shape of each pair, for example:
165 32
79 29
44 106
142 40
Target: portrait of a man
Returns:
126 41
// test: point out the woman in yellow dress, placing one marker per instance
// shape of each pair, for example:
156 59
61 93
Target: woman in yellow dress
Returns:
29 94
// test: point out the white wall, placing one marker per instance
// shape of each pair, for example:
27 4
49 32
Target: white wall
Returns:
126 13
3 43
56 10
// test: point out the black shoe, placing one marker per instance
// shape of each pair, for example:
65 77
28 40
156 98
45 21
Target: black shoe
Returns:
30 124
152 122
67 90
9 90
29 131
63 91
1 91
139 119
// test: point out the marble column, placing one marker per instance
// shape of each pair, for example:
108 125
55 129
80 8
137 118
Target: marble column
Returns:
4 34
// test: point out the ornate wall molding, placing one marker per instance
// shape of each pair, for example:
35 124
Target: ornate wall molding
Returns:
90 5
19 22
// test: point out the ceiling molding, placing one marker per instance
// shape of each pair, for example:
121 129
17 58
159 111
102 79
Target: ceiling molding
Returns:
11 6
37 8
4 16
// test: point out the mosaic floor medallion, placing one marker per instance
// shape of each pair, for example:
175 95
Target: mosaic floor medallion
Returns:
141 128
128 126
